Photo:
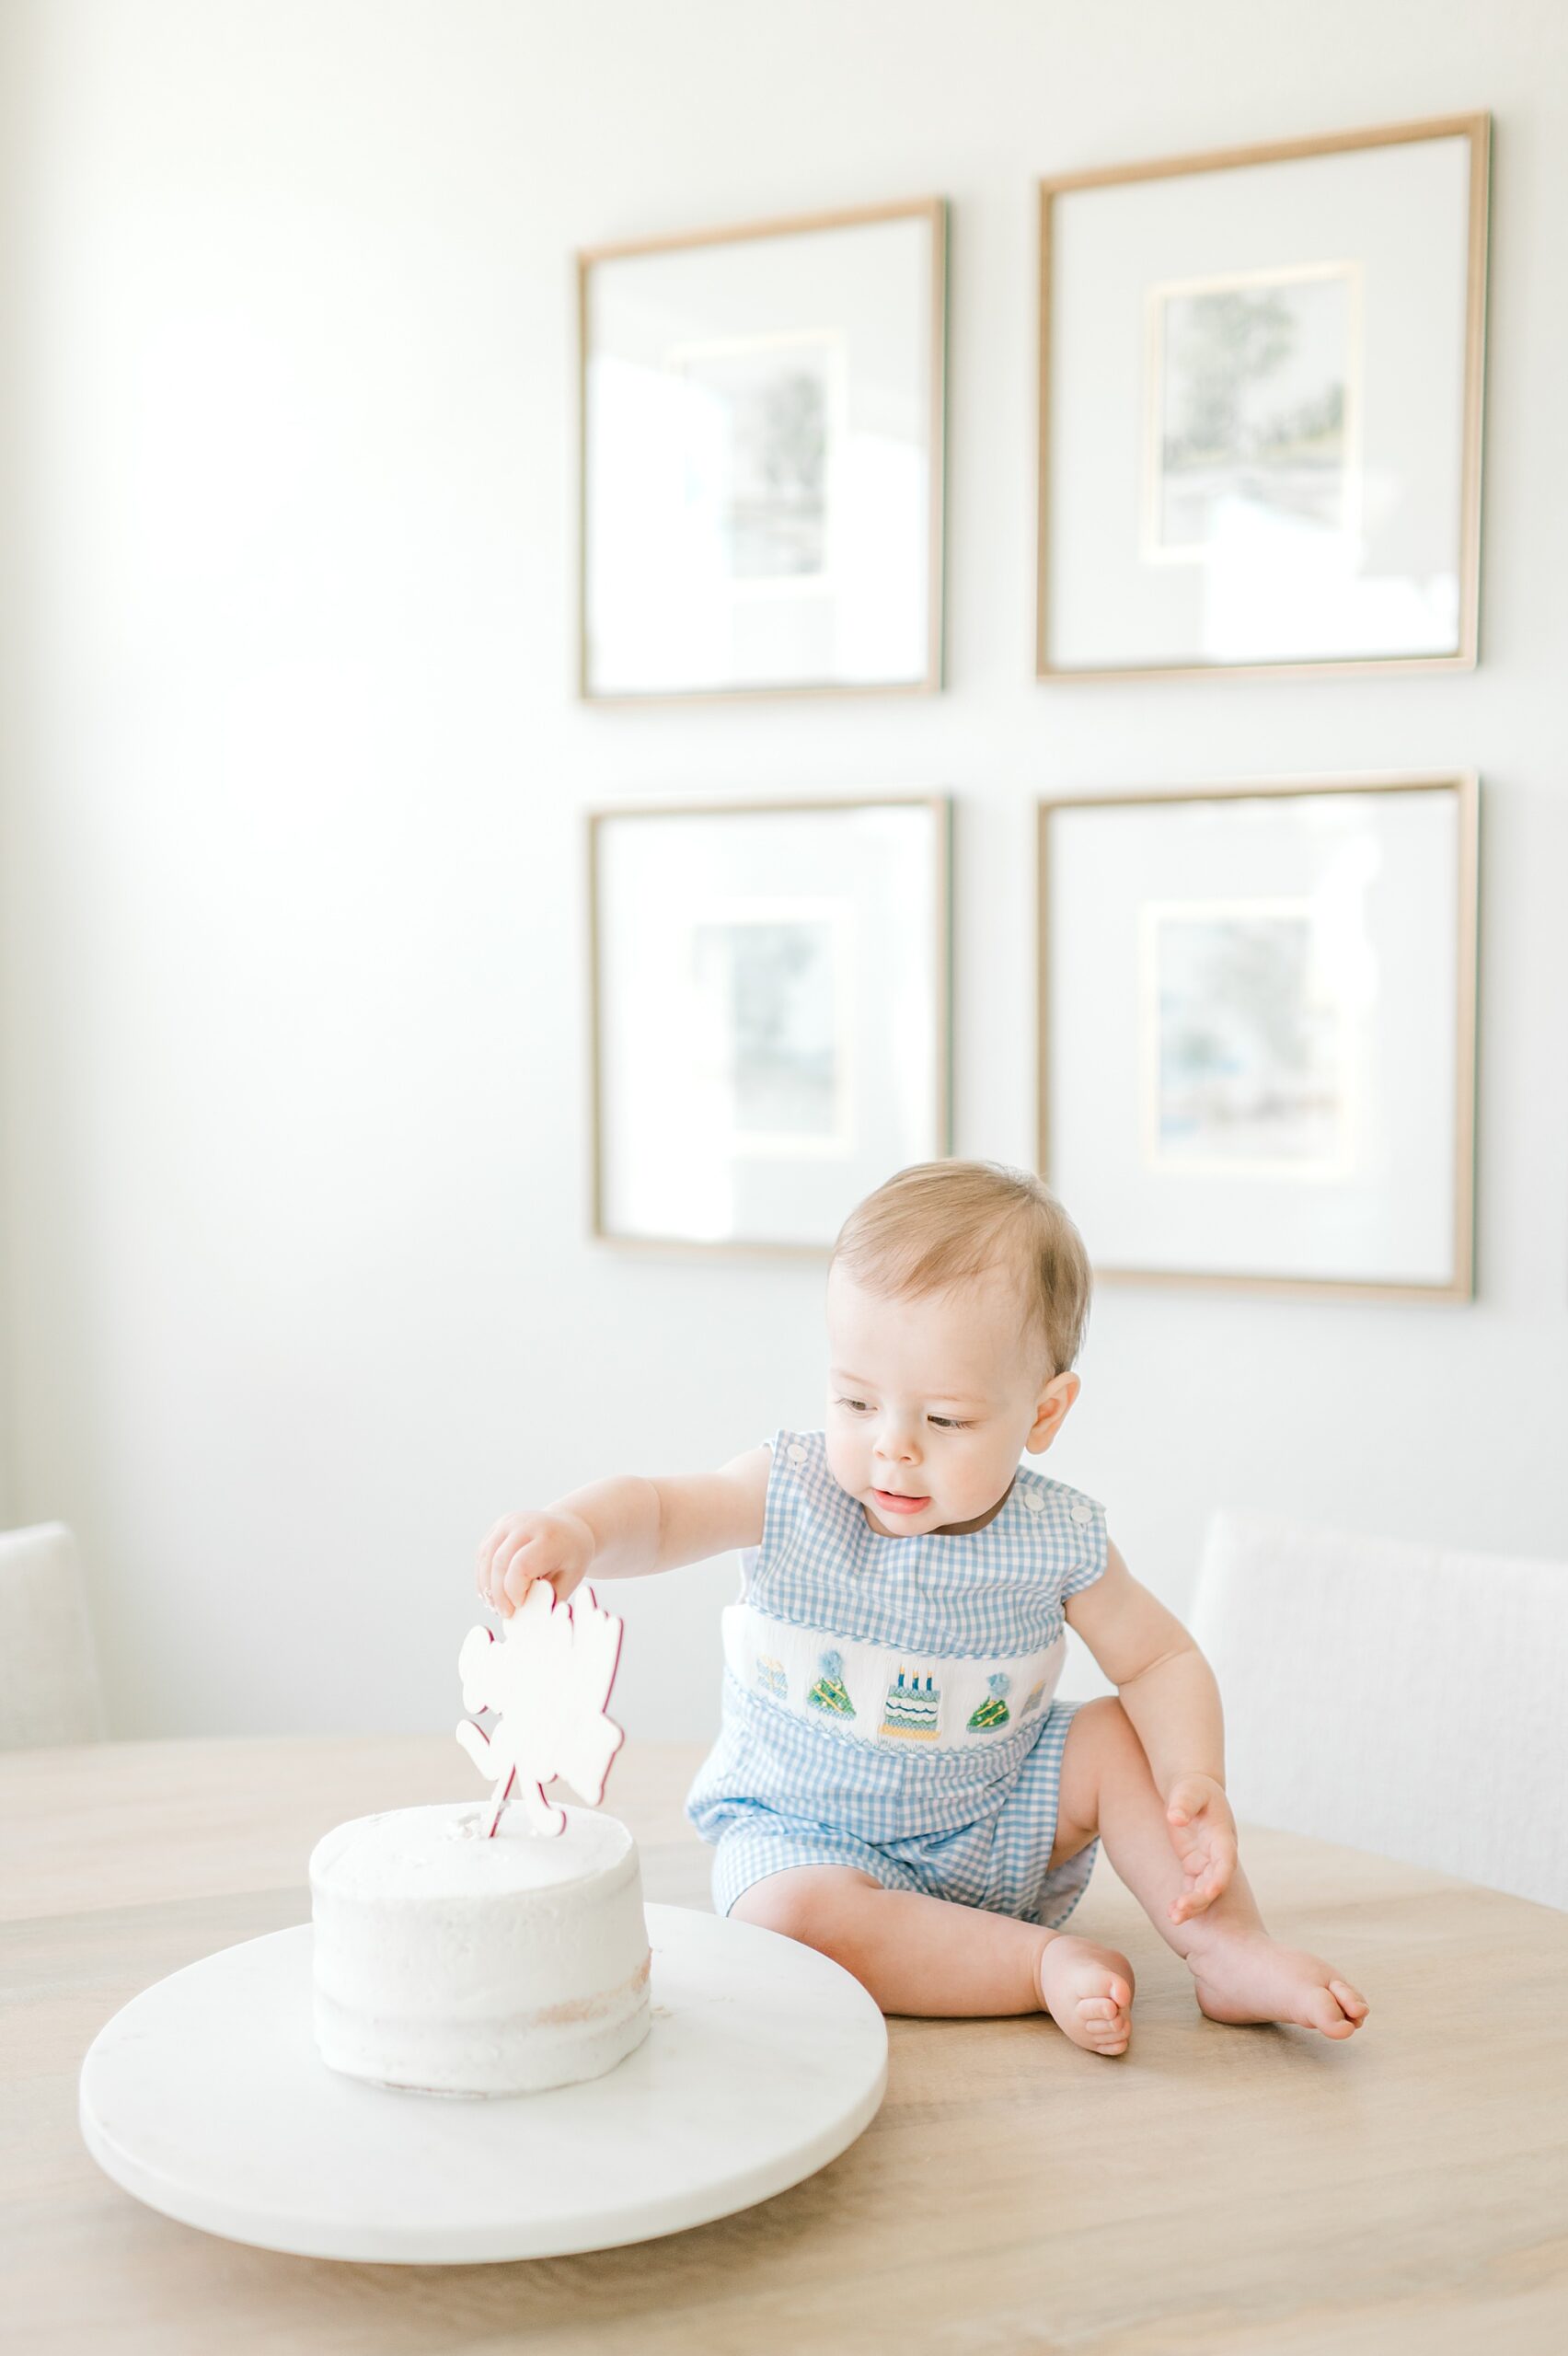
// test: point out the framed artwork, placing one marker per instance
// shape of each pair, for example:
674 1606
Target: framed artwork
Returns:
771 1014
761 468
1261 407
1257 1033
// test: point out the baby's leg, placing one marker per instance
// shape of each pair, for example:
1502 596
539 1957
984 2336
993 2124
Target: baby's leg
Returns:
1241 1974
928 1956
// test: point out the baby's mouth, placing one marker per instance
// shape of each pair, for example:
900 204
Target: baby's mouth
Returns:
888 1501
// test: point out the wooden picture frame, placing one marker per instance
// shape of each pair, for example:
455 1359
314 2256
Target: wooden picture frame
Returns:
1187 1135
761 423
747 962
1169 294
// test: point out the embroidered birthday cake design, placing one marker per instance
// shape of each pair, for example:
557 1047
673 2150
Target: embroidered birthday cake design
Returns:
911 1710
829 1692
770 1677
994 1710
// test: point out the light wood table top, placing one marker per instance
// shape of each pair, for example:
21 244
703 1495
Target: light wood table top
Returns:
1217 2192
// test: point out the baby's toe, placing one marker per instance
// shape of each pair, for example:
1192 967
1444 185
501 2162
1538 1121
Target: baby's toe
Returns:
1104 2024
1324 2012
1350 2000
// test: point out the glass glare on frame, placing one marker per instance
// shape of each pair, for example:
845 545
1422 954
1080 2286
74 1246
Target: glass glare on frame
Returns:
1258 1031
752 966
1261 407
761 434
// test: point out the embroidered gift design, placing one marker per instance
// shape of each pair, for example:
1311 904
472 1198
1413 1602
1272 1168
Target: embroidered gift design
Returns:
829 1692
993 1712
1036 1697
912 1711
770 1677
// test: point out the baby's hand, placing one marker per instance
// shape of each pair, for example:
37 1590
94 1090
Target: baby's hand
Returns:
1203 1834
523 1547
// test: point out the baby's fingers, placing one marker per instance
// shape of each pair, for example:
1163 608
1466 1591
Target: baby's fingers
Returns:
484 1564
1195 1901
496 1549
1209 1878
497 1581
519 1569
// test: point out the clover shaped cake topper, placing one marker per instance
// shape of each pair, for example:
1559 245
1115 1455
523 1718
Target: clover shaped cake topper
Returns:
547 1677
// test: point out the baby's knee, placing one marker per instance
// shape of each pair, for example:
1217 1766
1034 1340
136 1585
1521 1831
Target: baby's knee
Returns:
805 1902
1104 1728
1102 1751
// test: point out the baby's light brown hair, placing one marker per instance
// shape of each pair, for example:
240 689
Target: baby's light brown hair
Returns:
938 1222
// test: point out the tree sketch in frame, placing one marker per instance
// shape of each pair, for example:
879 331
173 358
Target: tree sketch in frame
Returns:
760 421
1247 1045
772 982
1254 406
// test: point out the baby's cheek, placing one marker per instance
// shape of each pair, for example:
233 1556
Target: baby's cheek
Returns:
841 1460
990 1473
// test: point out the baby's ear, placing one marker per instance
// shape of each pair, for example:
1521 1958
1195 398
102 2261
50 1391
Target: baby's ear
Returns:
1051 1411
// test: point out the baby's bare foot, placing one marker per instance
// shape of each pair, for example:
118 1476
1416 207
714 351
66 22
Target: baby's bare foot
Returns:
1088 1991
1244 1976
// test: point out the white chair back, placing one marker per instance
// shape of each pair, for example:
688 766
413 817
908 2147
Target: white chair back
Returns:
1393 1697
49 1684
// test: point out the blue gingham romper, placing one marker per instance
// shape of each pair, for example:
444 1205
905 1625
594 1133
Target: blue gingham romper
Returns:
887 1701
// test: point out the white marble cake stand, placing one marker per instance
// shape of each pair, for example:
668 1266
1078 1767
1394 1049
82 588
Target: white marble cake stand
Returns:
205 2096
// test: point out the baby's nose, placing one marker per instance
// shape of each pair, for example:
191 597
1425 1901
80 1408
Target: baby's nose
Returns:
897 1440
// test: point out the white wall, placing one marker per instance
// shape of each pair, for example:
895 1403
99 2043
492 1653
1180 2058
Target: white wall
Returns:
298 1295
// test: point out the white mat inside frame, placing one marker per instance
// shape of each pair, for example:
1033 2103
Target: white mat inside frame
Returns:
206 2099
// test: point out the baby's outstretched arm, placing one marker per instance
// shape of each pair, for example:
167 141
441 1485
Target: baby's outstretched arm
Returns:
1168 1691
623 1528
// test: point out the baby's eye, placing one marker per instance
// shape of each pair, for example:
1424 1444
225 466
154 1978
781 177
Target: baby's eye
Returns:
856 1405
948 1423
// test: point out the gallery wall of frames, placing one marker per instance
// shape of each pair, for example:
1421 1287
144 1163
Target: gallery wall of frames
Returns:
1259 453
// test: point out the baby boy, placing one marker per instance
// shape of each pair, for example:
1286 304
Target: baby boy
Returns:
894 1782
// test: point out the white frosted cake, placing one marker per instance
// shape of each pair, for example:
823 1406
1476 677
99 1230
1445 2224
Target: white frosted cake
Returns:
458 1964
